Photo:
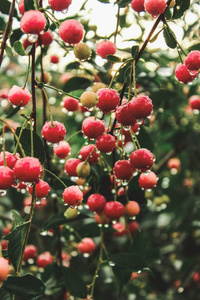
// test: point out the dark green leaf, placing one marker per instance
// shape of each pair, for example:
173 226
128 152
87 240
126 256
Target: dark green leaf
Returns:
29 5
180 7
194 47
15 36
9 51
134 51
169 37
55 220
104 1
28 286
17 220
145 139
40 85
113 58
77 83
25 139
131 261
5 254
19 48
13 111
123 3
4 295
122 276
74 283
2 24
139 245
92 230
5 7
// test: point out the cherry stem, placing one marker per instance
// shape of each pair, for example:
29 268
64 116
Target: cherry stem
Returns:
117 25
90 155
134 81
52 16
130 82
77 132
122 65
43 79
7 30
49 107
60 91
33 113
133 135
4 148
31 127
20 133
29 63
46 170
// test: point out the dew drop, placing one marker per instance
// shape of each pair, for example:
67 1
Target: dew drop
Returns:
60 93
2 193
98 152
109 153
55 145
149 190
100 225
105 169
180 289
64 11
62 161
32 38
140 121
74 178
124 182
135 173
147 172
1 140
106 225
70 113
114 222
116 132
44 233
86 255
112 264
38 200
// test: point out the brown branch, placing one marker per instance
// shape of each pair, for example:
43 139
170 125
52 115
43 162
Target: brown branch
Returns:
33 113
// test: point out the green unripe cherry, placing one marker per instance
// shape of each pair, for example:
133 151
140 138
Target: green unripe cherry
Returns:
82 51
89 99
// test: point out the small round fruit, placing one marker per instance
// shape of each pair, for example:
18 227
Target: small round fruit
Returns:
194 102
88 151
33 22
59 5
46 38
132 227
86 246
82 51
132 208
19 95
28 169
4 267
21 6
155 7
93 128
105 48
71 166
96 202
101 218
46 77
192 60
142 160
123 170
71 32
42 189
114 210
183 74
148 181
7 178
83 169
89 99
140 107
73 196
97 86
10 159
70 104
62 150
174 163
55 133
124 115
44 259
106 143
138 5
30 252
120 229
108 99
54 59
71 213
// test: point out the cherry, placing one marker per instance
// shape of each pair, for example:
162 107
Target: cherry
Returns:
82 51
62 150
4 93
26 44
97 86
194 102
10 159
101 218
71 165
196 277
138 5
4 267
141 160
86 151
33 21
4 245
183 74
46 78
44 259
65 77
71 32
114 210
21 6
55 133
86 246
83 169
46 38
105 48
7 178
19 95
124 115
96 202
132 208
41 205
155 7
108 100
120 229
132 227
30 252
89 99
148 181
70 103
59 5
55 59
123 170
93 128
135 128
106 143
140 107
42 189
28 169
174 163
192 60
72 195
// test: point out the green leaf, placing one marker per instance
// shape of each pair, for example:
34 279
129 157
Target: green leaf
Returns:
55 220
15 36
122 276
123 3
180 7
131 261
29 5
145 139
4 295
19 48
28 286
5 7
77 83
194 47
74 283
170 38
2 24
134 51
13 111
139 245
104 1
9 51
92 229
113 58
17 219
25 139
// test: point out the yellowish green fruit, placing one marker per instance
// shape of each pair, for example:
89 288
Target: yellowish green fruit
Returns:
47 77
82 51
71 213
83 169
97 85
157 201
89 99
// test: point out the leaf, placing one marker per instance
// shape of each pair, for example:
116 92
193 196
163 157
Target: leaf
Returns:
122 276
131 261
25 140
194 47
113 58
4 295
139 245
77 83
19 48
2 24
169 37
134 51
5 7
28 5
17 219
180 7
92 230
28 286
104 1
74 283
55 220
123 3
9 51
145 139
13 111
15 36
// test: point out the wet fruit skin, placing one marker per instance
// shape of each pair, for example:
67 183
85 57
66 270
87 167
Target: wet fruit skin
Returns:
141 160
44 259
71 165
86 245
183 74
82 51
120 229
4 267
42 189
105 48
70 103
46 38
54 59
33 21
93 128
124 115
155 7
86 151
108 99
72 195
53 134
89 99
132 227
21 7
71 32
114 210
140 107
7 177
59 5
148 181
96 202
83 169
19 95
28 169
123 170
63 150
106 143
132 208
10 159
30 252
192 60
194 102
138 5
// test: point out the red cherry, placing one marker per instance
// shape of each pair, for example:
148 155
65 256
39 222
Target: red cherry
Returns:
42 204
106 143
140 107
101 218
4 267
138 5
93 128
124 115
96 202
155 7
141 160
30 252
135 128
123 170
28 169
184 75
73 195
46 38
33 21
120 229
71 165
105 48
4 93
86 246
55 59
10 159
4 245
65 77
174 163
19 95
7 178
59 5
44 259
132 208
132 227
71 32
21 7
192 60
148 181
70 103
196 277
26 43
194 102
42 189
55 133
114 210
62 150
108 99
86 151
